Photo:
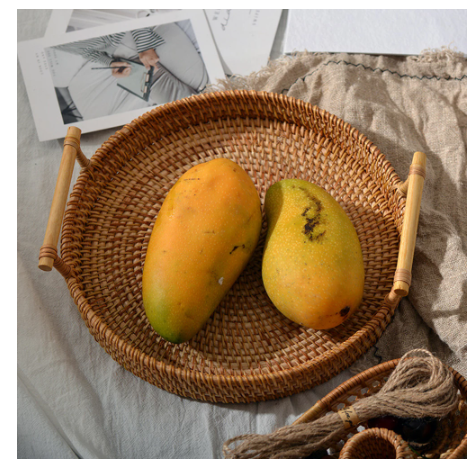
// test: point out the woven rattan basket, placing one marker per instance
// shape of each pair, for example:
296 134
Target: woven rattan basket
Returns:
449 441
375 443
247 351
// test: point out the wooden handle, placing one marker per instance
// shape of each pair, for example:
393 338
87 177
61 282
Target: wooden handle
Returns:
413 187
48 253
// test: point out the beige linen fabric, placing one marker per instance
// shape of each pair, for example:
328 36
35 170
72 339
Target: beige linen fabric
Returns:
403 105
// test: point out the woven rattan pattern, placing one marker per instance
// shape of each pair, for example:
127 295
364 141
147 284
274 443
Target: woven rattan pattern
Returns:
449 441
247 351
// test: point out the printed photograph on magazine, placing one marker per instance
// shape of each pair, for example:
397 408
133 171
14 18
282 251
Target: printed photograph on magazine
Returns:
243 37
101 76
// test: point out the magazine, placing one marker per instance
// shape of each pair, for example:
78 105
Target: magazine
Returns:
65 88
244 38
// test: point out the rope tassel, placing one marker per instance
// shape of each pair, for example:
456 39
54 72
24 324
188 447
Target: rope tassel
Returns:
420 386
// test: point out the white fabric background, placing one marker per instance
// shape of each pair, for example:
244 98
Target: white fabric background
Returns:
73 400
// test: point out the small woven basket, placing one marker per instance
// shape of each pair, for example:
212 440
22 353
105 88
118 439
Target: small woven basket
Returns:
247 351
375 443
448 442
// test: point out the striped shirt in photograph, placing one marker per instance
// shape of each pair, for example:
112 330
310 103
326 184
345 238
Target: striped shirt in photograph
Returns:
94 48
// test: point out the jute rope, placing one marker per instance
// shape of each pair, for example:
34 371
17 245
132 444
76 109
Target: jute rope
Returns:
420 386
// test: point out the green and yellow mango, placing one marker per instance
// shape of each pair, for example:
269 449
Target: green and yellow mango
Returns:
312 266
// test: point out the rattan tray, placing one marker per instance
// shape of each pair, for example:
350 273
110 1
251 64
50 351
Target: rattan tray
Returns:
247 351
449 441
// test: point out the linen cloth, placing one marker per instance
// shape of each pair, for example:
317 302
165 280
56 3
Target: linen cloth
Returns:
74 401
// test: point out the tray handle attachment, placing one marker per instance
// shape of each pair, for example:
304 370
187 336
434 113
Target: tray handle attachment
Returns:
413 188
48 257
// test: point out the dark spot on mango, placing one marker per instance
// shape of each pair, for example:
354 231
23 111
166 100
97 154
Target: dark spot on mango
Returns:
250 217
317 203
319 236
310 225
236 247
344 311
313 217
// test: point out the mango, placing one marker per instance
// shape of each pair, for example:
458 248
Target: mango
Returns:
312 266
203 237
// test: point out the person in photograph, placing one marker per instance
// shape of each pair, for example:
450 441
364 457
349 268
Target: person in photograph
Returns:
179 70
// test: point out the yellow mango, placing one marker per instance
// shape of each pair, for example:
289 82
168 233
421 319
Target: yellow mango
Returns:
203 237
312 266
